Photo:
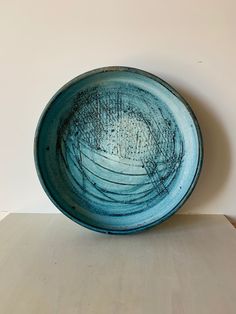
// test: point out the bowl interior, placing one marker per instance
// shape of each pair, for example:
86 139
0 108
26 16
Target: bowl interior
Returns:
117 150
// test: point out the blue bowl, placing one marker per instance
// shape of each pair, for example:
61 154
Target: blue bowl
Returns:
118 150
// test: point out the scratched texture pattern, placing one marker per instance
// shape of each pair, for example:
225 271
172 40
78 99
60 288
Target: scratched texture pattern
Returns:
116 153
122 149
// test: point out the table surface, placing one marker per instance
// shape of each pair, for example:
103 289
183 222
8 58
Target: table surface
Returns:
50 265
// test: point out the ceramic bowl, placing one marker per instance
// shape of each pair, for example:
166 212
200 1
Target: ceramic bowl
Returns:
118 150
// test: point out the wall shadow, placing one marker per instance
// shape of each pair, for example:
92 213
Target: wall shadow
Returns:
217 154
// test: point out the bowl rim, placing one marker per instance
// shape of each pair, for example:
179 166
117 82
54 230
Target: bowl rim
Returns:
142 73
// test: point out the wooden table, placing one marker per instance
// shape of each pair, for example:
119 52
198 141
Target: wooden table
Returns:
50 265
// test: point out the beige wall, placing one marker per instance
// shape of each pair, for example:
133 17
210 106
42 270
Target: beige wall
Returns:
191 44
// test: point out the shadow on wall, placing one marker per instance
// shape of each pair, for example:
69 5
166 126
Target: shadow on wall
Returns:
217 157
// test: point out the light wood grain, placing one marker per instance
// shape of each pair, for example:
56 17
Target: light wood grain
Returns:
50 265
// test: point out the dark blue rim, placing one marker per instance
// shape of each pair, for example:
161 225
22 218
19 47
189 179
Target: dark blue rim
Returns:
174 92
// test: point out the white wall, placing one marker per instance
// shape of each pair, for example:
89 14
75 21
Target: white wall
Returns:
191 44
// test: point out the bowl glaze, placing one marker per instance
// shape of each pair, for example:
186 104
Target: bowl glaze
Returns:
118 150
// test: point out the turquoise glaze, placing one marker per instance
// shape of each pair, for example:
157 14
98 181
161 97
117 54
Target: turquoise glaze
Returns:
118 150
